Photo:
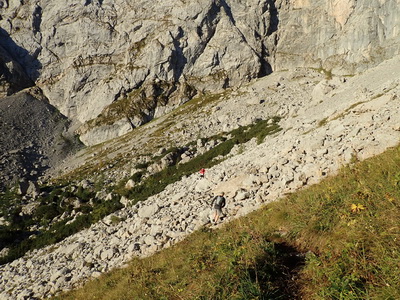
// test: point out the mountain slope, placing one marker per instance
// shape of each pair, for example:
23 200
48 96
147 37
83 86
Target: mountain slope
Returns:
316 139
332 240
107 66
34 137
158 90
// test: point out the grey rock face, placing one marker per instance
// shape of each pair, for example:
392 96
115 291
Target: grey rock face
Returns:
86 56
12 75
113 65
343 36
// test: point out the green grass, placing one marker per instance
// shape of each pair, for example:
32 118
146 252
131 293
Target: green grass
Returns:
158 181
207 265
322 122
18 237
327 73
335 240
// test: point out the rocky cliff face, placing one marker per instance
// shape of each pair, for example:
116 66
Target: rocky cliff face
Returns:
12 75
340 36
113 65
139 57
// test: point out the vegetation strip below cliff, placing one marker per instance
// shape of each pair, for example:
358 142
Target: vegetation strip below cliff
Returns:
334 240
157 182
20 237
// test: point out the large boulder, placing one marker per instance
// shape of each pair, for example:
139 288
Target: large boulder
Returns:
147 211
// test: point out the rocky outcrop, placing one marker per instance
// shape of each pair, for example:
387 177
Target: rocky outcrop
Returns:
315 142
111 64
94 53
12 75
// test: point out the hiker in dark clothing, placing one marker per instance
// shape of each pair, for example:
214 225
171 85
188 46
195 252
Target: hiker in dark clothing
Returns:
217 204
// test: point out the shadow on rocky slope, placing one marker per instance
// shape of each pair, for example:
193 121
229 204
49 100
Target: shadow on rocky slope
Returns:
33 137
22 57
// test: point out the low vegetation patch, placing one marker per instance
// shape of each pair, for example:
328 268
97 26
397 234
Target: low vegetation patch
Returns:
335 240
327 73
223 264
25 232
157 182
100 151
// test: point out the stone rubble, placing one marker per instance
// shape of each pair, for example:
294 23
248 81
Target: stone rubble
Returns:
33 138
315 143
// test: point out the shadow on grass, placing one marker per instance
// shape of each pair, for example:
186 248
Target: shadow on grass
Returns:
276 272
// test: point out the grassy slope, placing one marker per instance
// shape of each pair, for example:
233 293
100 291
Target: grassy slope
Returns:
335 240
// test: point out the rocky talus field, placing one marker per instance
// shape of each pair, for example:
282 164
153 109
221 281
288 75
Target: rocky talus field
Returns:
325 123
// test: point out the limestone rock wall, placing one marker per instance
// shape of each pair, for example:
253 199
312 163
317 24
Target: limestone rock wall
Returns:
343 36
87 54
12 75
103 62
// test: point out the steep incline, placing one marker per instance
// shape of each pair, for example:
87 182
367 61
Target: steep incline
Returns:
356 117
33 137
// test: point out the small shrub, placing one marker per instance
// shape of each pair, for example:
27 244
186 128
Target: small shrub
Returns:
142 165
115 220
46 212
84 194
136 177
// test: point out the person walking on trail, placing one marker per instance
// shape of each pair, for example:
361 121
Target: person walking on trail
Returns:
202 171
217 204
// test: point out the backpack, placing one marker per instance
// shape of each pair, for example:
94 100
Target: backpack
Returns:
219 201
